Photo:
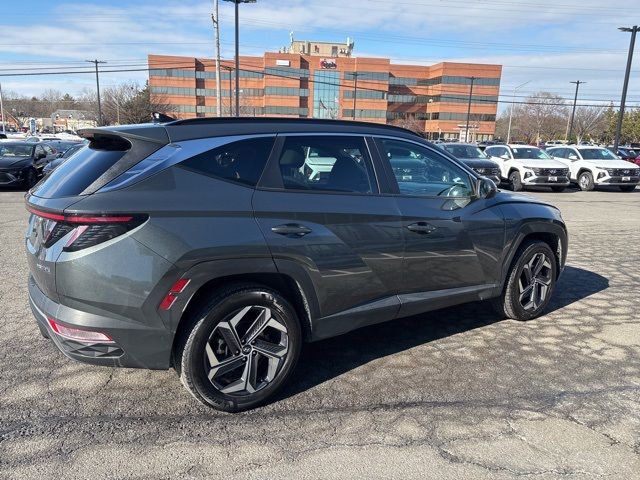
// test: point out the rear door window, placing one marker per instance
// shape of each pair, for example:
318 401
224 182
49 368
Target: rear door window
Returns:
326 163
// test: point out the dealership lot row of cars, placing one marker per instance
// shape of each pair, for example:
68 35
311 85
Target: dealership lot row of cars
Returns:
557 167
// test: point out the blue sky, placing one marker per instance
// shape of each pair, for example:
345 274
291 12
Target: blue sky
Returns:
546 43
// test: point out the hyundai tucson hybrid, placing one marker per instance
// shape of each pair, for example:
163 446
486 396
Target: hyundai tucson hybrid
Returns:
206 245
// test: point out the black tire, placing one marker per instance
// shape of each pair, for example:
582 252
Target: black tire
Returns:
585 182
190 352
515 181
30 179
558 189
627 188
508 304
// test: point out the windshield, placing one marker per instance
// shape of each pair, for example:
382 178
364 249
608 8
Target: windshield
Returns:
464 151
15 150
529 153
597 154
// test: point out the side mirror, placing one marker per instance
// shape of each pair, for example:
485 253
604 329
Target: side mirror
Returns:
504 156
485 188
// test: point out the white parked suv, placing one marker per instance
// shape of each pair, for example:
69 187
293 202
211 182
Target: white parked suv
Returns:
595 166
526 165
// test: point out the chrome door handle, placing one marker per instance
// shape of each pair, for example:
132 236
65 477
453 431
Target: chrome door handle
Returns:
291 229
421 227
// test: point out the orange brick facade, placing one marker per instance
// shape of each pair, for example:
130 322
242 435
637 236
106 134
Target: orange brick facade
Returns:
432 99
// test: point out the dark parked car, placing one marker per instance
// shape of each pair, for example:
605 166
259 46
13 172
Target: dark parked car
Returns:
61 157
628 154
205 245
21 163
474 158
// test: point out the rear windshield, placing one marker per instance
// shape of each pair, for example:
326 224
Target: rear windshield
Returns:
77 173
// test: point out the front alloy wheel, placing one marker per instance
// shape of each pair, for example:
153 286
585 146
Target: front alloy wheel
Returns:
240 348
530 282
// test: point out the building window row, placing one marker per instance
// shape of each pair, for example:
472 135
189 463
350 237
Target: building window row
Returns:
192 73
364 113
275 110
376 76
366 94
475 117
445 79
287 91
448 98
289 72
204 92
244 109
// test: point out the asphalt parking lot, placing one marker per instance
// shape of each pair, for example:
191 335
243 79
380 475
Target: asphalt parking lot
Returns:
451 394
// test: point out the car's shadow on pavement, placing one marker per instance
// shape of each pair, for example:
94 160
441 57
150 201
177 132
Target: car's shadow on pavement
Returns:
327 359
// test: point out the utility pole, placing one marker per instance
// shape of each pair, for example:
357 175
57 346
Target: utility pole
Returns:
466 130
355 92
633 31
511 109
96 62
216 27
573 111
4 130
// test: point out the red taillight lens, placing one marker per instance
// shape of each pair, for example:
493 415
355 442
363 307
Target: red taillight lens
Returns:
77 334
88 230
171 297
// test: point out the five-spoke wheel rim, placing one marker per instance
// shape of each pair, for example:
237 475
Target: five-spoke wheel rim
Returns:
246 350
535 282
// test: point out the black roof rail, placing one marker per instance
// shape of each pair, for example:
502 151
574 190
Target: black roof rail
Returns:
269 120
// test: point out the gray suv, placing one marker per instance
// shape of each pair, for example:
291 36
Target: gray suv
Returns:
209 246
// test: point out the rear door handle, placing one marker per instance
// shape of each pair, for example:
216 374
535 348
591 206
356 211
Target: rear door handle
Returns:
421 227
291 230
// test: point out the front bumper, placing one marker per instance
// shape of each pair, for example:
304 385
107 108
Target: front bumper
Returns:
134 345
618 181
546 181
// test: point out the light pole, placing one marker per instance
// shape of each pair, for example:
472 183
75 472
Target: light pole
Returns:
236 3
573 111
466 129
511 109
2 111
633 31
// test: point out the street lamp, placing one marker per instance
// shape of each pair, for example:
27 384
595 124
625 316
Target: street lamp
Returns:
511 109
236 3
633 31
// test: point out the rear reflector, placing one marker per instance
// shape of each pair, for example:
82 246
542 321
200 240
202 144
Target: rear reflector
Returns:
77 334
172 295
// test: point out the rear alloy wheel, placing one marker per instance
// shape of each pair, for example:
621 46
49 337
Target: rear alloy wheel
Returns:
516 181
585 181
242 349
30 179
530 283
627 188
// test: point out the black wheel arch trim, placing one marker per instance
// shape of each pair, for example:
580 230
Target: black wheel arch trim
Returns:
530 229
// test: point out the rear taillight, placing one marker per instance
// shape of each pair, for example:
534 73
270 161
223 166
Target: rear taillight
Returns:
86 230
78 334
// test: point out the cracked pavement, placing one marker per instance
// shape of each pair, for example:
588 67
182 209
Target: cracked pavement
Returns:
451 394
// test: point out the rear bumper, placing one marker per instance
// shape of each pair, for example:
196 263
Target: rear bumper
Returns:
134 345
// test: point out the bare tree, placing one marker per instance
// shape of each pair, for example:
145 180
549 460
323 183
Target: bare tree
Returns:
588 121
542 116
128 103
410 124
